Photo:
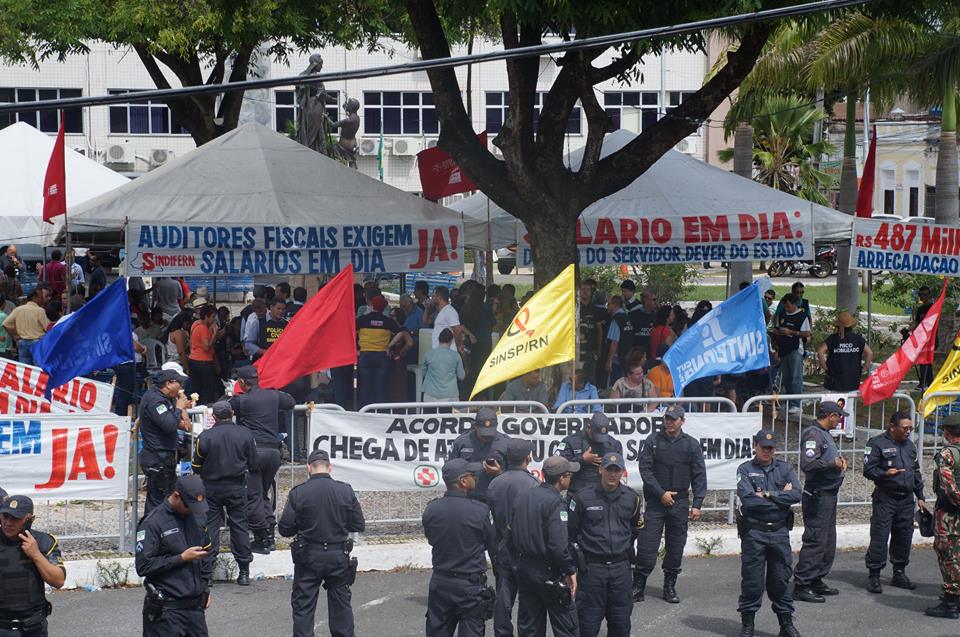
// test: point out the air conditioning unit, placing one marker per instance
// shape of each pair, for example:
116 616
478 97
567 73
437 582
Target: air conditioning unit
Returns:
368 146
683 146
159 157
405 147
433 142
120 153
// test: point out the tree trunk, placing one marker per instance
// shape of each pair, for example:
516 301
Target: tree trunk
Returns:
848 292
553 239
948 190
741 271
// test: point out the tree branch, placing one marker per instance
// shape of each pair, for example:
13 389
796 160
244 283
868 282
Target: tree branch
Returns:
232 102
617 67
598 123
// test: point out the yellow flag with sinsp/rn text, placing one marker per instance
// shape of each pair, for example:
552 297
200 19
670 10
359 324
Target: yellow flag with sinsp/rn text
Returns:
543 333
947 379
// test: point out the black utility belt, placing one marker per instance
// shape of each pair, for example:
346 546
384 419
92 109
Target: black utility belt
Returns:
894 494
758 525
593 558
25 623
475 578
184 603
813 493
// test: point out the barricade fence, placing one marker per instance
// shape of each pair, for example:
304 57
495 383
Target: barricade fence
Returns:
87 526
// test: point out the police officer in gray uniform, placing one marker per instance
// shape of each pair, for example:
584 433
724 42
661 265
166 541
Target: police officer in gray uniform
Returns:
224 455
890 460
588 448
460 532
321 513
767 488
502 496
162 412
483 444
823 469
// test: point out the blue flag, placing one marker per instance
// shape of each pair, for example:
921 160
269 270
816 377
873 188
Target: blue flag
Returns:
97 336
729 339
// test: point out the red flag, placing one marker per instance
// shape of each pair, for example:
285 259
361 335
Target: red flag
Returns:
440 176
322 334
865 194
918 349
55 181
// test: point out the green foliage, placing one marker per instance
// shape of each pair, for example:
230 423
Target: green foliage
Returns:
671 283
607 277
112 574
708 545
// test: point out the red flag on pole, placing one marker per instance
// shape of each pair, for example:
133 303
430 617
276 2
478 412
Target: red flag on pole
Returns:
322 334
918 349
55 181
440 176
865 194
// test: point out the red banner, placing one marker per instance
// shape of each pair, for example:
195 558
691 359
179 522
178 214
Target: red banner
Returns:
55 181
865 194
441 176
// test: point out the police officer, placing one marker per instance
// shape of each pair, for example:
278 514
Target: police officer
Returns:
588 448
946 538
671 465
172 556
163 410
321 513
258 410
767 488
823 469
891 461
29 559
224 456
460 530
546 570
502 496
605 519
483 444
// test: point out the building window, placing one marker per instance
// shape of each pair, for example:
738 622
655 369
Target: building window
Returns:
616 103
146 117
676 98
888 202
498 105
914 201
286 109
399 113
46 121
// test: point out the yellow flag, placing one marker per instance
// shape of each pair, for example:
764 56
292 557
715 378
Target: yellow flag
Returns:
947 379
541 334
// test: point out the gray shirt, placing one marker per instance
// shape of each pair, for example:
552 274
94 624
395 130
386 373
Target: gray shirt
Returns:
517 390
167 295
442 367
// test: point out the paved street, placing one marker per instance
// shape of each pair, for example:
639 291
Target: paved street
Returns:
394 604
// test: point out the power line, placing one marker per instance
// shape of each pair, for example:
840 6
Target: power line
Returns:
603 41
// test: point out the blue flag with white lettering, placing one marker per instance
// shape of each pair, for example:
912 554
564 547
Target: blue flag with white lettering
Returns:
97 336
729 339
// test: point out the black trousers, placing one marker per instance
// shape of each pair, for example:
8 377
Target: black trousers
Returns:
506 593
161 473
819 537
260 512
604 592
206 381
449 599
40 631
891 519
657 517
327 568
176 623
230 499
765 561
536 604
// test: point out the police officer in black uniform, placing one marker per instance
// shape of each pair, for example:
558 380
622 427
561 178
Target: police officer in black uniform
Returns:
823 469
890 460
173 557
163 410
501 496
483 444
223 457
767 488
671 465
605 520
545 567
258 410
460 529
321 513
588 448
28 560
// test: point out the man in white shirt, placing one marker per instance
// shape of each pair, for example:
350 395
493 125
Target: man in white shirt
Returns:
446 317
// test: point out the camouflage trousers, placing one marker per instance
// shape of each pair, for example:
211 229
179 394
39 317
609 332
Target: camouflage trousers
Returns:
947 548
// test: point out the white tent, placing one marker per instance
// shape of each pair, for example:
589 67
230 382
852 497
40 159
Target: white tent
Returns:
675 185
24 154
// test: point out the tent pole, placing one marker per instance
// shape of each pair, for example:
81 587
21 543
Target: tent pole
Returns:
68 248
869 306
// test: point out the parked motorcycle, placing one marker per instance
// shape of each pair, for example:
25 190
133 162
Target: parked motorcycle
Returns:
823 265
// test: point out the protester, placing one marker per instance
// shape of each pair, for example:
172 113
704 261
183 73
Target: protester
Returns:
28 323
446 317
790 327
167 295
251 329
589 332
204 379
924 372
661 378
10 260
634 383
528 387
662 332
643 317
797 289
843 354
98 276
298 301
54 272
442 367
379 339
585 390
6 340
619 338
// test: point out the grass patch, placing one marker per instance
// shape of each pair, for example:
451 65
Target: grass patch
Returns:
819 295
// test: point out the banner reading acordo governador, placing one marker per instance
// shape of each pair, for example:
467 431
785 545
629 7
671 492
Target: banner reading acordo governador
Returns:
388 452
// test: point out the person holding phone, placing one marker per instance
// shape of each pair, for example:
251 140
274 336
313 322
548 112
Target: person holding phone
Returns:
28 560
483 444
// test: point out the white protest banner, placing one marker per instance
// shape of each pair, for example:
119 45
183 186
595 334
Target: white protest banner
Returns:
205 250
847 402
392 452
22 387
737 236
65 456
905 247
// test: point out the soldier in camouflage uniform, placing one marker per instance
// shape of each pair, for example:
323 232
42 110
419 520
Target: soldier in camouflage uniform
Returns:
946 541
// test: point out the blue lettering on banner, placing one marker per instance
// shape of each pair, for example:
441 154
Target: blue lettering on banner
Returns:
19 437
907 262
592 255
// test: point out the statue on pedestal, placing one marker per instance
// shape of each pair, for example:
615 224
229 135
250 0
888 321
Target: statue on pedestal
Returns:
345 149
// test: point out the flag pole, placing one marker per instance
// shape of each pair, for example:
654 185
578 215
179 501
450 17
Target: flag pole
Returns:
66 227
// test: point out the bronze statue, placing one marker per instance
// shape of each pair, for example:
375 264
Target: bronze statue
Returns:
312 122
345 149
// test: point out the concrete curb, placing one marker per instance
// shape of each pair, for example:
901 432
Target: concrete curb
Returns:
416 555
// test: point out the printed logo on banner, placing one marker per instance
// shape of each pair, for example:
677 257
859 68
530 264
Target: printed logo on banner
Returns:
426 476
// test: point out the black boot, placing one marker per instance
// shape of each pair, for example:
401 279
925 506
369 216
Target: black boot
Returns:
900 580
271 538
243 578
670 588
946 609
746 624
260 544
639 584
873 581
803 593
819 587
787 628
